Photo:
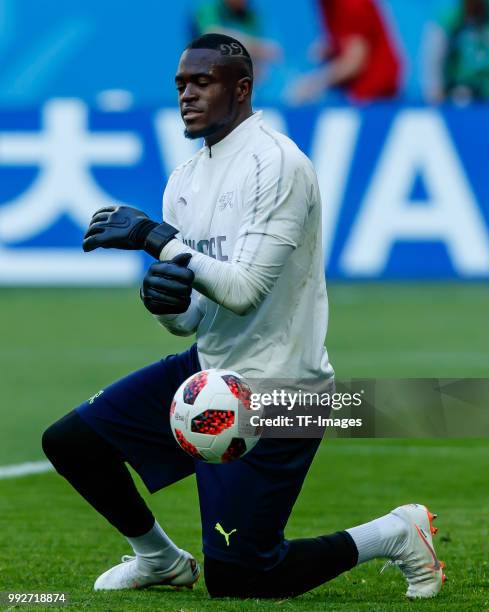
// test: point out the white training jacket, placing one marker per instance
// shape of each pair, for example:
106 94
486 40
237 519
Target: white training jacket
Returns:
248 209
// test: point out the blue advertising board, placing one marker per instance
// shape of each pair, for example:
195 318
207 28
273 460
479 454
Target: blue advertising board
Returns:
405 189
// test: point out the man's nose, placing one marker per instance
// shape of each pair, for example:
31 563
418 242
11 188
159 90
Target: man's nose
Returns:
189 93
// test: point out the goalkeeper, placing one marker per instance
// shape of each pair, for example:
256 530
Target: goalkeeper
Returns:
239 263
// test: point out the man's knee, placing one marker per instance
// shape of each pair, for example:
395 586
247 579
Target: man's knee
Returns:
57 440
220 578
54 442
48 441
70 439
227 579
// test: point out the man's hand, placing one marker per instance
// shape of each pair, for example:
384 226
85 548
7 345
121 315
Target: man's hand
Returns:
167 286
124 227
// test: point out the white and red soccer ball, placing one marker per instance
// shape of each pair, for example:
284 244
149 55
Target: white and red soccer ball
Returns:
205 416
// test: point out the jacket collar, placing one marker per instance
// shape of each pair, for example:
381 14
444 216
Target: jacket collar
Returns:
236 139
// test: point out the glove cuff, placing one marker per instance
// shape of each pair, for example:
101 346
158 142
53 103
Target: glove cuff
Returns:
141 231
158 237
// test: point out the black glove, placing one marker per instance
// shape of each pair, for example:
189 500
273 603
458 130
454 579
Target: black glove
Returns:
167 286
124 227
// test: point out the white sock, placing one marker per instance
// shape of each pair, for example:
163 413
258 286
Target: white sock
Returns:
382 537
154 550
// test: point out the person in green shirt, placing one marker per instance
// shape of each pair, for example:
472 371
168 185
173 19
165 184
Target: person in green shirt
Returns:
459 59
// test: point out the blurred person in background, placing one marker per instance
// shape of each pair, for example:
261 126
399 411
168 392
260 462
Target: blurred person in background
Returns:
359 55
238 19
456 62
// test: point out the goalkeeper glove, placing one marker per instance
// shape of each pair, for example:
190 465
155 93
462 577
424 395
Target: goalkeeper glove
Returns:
167 286
124 227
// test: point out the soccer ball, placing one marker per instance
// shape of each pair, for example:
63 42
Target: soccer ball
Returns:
204 416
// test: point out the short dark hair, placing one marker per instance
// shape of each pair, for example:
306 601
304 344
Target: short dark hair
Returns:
229 47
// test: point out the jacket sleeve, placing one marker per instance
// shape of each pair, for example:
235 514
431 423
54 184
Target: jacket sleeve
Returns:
184 324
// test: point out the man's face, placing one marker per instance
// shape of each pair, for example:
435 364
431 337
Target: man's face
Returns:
206 92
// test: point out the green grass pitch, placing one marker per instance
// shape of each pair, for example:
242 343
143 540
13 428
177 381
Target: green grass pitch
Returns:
58 347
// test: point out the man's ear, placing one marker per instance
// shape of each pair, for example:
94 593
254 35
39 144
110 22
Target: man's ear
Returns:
243 89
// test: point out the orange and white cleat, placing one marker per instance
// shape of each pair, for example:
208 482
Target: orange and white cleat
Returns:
130 575
417 558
